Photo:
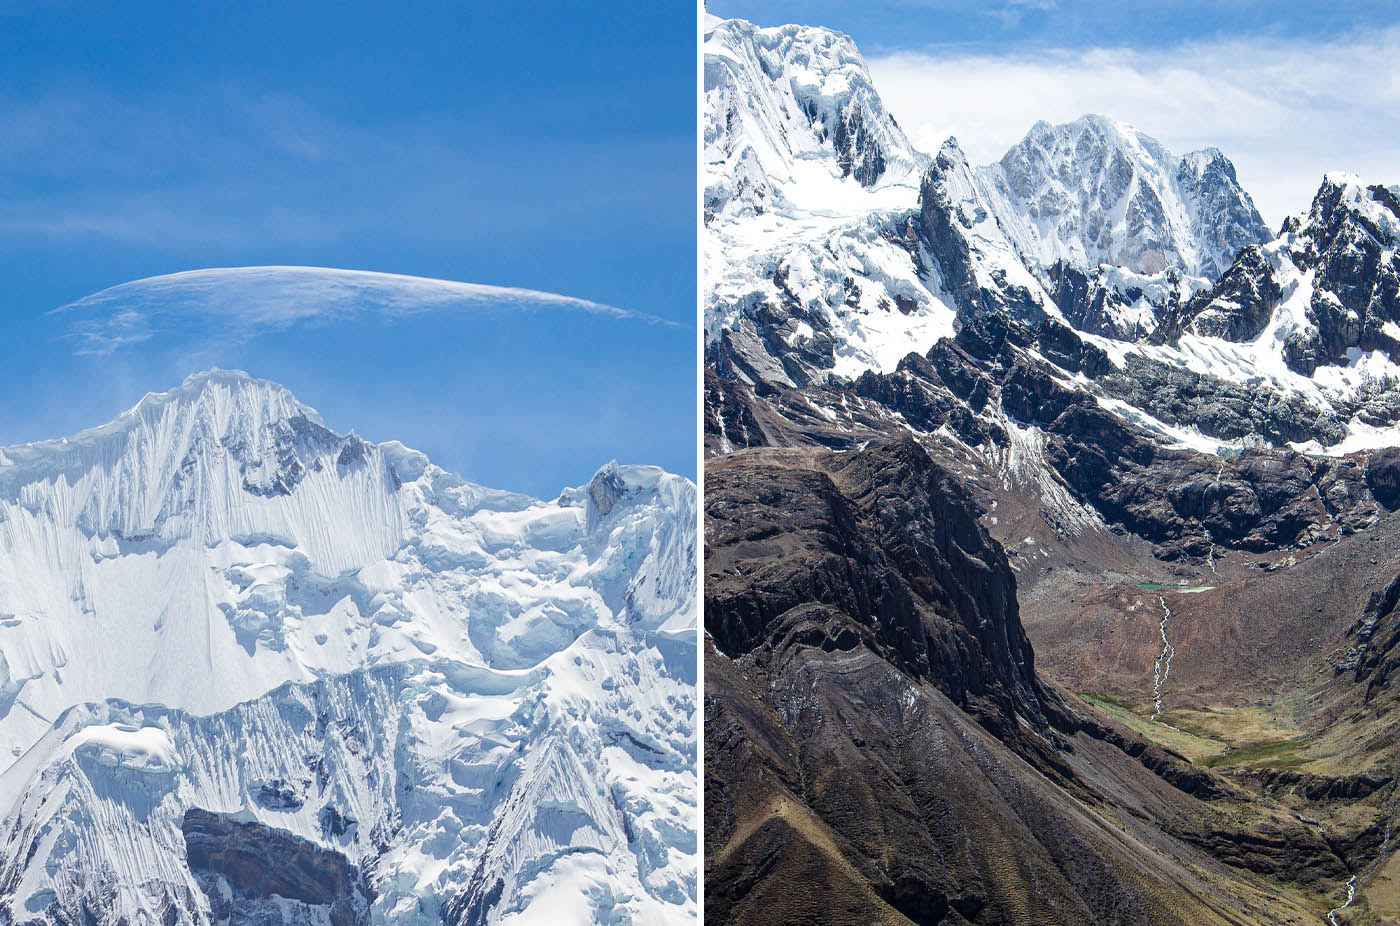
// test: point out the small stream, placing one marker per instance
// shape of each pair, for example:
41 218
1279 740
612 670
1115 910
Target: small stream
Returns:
1163 666
1351 895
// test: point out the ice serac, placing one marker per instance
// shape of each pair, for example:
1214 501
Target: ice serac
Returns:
1097 191
229 633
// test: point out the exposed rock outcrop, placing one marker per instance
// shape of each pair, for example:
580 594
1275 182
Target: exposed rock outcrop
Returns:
874 724
252 873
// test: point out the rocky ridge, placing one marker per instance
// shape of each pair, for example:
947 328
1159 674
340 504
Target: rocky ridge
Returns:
874 721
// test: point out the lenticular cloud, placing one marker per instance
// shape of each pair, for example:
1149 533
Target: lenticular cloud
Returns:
249 301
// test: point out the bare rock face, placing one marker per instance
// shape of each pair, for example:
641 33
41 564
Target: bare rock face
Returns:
1242 301
874 724
605 490
1181 500
879 551
254 874
1345 249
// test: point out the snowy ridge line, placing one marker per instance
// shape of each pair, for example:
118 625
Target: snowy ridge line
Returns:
345 643
811 275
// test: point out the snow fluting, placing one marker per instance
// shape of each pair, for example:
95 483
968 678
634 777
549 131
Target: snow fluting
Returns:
471 698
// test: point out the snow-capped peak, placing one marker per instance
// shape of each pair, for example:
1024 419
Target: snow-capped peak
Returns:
196 461
1098 191
234 472
212 392
215 606
1344 194
789 107
979 263
204 383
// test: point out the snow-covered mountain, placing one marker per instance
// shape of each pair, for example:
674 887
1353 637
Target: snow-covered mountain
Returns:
1210 332
227 631
833 246
807 175
1327 288
1097 191
792 112
1315 312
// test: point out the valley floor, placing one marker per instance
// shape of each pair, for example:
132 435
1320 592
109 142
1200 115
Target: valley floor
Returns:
1257 691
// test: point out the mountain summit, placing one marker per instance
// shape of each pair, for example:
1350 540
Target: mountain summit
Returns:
1097 191
790 107
230 631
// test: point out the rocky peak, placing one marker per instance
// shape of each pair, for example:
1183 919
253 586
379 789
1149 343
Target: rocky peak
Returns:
1241 303
1334 272
1223 217
604 491
980 266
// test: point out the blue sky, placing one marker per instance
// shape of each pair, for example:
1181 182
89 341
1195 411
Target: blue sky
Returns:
1287 90
1007 25
546 145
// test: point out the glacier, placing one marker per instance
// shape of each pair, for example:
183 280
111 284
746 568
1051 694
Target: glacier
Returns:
817 274
227 631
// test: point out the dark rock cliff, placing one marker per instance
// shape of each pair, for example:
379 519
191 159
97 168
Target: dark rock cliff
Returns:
878 745
880 551
253 873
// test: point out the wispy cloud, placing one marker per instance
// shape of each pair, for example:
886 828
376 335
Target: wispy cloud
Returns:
1012 11
241 303
1283 109
216 166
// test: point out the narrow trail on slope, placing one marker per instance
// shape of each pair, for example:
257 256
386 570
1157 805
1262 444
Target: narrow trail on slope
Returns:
1163 667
